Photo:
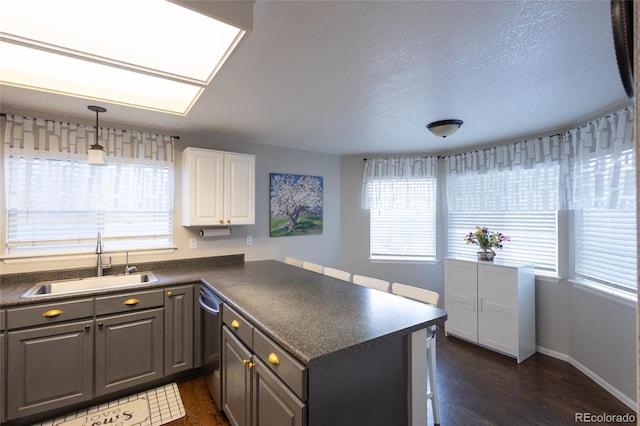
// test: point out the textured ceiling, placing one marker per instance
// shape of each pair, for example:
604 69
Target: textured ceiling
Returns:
367 76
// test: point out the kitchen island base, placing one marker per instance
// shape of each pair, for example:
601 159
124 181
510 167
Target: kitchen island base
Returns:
382 383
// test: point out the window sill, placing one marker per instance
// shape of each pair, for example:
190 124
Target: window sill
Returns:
624 297
401 260
548 278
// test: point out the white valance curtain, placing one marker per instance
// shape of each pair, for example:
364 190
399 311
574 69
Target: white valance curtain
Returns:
39 138
400 176
602 158
593 166
519 176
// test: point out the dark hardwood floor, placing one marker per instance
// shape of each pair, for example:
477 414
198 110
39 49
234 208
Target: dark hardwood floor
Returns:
198 405
481 387
477 387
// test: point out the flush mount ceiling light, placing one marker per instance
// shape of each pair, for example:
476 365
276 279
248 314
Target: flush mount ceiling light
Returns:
97 156
146 53
444 128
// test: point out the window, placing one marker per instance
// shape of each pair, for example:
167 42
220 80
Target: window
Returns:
57 203
401 196
604 204
513 189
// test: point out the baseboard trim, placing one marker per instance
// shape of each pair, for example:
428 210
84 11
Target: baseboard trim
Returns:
593 376
553 354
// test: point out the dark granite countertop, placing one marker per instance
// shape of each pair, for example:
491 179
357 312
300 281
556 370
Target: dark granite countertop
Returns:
311 315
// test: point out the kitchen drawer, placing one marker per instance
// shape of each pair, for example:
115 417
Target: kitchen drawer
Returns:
286 367
2 321
127 302
238 325
49 313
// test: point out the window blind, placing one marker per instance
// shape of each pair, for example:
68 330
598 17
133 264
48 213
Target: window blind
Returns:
606 247
56 203
408 231
533 236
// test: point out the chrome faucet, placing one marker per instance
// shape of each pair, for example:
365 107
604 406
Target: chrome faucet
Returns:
128 269
99 250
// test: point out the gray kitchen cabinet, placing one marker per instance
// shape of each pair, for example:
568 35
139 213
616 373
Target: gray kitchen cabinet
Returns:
2 366
236 380
49 367
178 329
128 350
252 392
273 403
198 328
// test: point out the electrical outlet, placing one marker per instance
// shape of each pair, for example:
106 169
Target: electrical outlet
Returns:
193 243
249 240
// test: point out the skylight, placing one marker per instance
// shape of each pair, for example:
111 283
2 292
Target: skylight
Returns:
150 54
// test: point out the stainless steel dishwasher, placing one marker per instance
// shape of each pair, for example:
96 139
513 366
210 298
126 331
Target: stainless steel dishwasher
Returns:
211 317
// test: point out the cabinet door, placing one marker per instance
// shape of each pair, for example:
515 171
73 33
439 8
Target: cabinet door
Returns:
497 316
202 187
239 196
129 350
2 383
460 298
178 329
236 380
49 367
273 403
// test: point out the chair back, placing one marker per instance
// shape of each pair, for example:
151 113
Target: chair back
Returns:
310 266
293 261
371 282
416 293
337 273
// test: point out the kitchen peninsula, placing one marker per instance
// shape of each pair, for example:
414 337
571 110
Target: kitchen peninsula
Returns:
355 342
362 352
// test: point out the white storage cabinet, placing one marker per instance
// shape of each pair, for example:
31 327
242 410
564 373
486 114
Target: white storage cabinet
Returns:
491 304
218 188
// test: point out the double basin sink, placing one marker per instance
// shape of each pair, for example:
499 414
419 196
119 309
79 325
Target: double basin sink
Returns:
88 284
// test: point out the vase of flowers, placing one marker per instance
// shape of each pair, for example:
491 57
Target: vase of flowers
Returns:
487 240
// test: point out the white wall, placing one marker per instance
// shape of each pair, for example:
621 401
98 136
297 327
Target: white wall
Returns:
324 248
593 332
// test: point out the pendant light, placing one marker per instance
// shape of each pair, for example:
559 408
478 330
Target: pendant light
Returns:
97 155
444 128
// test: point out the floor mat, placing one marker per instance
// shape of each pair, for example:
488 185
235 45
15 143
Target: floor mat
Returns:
154 407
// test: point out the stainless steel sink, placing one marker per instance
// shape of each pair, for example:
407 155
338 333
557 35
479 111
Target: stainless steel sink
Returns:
88 284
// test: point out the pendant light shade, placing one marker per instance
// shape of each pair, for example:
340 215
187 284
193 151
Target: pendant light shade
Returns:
97 155
444 128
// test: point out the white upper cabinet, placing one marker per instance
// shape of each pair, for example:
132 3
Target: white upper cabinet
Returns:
218 188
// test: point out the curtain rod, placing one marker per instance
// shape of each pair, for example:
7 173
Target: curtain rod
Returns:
424 156
3 114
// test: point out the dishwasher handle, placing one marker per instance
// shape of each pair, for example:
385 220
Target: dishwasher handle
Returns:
207 308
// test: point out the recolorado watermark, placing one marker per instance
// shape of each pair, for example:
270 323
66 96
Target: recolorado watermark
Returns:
604 418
